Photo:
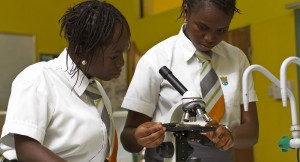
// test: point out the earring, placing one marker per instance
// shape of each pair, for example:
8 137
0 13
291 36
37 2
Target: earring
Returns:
83 62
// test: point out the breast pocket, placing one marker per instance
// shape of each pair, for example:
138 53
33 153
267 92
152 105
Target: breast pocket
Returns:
231 87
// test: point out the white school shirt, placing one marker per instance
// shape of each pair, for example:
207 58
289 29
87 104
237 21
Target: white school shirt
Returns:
149 93
49 105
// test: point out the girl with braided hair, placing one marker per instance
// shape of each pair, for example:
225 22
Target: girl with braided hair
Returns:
50 116
149 97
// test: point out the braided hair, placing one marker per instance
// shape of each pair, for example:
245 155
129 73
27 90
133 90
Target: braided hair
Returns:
227 6
89 27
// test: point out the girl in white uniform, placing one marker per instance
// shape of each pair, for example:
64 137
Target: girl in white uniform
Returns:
150 97
50 117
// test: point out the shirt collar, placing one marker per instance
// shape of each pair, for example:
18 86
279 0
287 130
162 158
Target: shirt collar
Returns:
189 48
78 81
219 49
186 45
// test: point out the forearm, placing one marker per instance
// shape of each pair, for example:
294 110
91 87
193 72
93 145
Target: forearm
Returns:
129 142
245 135
43 154
29 150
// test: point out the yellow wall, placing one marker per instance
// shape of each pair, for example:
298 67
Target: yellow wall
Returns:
273 40
272 35
153 7
151 29
39 18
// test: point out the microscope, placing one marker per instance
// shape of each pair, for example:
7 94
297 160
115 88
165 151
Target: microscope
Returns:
181 124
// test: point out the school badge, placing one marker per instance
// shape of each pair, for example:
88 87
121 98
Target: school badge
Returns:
224 80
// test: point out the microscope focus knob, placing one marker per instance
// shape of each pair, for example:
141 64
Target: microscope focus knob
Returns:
194 159
166 150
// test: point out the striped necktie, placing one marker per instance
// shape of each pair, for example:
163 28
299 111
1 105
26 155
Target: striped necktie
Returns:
211 90
92 91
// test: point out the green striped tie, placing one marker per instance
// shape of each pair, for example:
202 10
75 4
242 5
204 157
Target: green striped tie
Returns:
211 89
92 91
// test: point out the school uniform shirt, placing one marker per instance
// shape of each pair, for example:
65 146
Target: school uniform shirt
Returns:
149 93
48 104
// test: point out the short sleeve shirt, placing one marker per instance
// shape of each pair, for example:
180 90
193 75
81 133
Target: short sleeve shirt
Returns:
149 93
48 104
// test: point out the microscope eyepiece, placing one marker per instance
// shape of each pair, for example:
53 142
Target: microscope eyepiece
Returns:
168 75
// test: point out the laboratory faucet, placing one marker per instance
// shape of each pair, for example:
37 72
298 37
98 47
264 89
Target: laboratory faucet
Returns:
292 143
283 69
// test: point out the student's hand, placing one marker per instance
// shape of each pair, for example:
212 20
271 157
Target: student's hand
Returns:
222 136
150 134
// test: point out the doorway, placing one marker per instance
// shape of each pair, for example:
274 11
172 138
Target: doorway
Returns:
241 38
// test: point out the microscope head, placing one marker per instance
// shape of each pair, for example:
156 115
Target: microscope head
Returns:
193 105
189 96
